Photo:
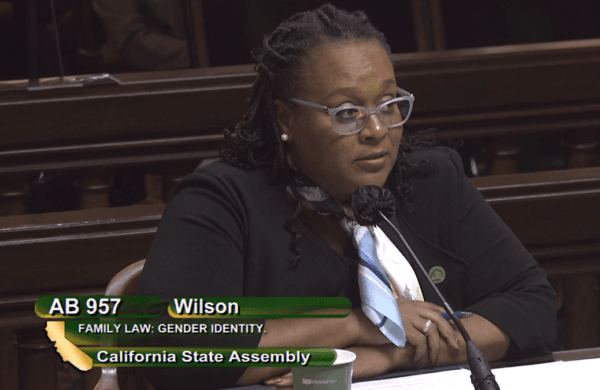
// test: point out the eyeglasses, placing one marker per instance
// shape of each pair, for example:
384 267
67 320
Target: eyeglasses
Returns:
347 120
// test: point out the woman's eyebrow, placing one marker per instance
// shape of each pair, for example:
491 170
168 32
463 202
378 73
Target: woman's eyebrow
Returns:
352 91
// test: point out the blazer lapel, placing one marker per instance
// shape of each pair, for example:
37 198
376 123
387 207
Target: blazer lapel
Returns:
448 270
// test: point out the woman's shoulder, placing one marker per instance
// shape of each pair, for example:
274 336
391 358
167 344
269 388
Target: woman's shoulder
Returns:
439 154
218 190
223 174
435 163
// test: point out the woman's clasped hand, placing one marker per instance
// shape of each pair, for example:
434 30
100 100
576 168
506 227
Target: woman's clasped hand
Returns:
415 316
426 338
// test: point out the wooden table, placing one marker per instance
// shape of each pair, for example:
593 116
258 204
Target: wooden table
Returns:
578 354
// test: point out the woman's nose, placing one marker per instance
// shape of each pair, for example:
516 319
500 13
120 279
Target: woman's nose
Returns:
374 128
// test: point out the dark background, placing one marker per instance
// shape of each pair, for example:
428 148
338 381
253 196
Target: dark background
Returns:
233 27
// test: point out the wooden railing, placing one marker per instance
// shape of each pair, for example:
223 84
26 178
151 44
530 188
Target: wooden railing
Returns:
168 122
553 213
74 252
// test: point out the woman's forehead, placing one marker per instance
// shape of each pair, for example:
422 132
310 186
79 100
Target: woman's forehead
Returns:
362 65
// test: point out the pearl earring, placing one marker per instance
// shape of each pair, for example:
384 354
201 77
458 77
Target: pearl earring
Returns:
284 137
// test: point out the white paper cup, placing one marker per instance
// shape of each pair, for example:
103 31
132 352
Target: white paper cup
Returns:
336 377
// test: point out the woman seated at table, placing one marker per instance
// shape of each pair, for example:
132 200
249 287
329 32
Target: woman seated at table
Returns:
271 218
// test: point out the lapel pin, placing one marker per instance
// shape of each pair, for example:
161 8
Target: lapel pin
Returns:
437 274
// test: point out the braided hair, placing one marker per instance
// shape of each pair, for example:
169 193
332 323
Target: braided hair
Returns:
256 141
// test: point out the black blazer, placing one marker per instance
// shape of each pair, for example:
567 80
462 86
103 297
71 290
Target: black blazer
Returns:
223 234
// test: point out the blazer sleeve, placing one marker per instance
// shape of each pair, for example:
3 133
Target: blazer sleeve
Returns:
198 251
504 283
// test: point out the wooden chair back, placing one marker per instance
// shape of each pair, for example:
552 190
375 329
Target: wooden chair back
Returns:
124 283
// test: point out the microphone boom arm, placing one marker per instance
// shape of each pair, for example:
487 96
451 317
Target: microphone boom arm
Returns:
481 374
446 305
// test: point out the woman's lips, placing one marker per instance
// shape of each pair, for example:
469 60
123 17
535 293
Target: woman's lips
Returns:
374 155
373 162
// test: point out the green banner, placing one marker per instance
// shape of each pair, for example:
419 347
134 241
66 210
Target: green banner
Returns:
98 306
210 357
142 332
263 307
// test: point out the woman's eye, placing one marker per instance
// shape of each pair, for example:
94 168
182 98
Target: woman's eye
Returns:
348 113
386 106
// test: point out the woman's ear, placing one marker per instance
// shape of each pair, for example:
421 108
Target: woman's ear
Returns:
283 113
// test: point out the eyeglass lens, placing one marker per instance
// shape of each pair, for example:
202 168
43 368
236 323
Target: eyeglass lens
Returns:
353 119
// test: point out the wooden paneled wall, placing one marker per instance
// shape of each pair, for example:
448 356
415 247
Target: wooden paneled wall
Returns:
168 122
74 252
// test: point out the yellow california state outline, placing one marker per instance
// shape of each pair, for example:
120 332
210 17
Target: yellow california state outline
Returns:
66 349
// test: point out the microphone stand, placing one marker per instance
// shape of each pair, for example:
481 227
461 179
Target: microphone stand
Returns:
481 375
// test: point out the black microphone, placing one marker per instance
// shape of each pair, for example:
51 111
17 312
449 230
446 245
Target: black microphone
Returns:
372 205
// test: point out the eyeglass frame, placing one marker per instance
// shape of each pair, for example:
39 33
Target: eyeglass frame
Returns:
332 111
